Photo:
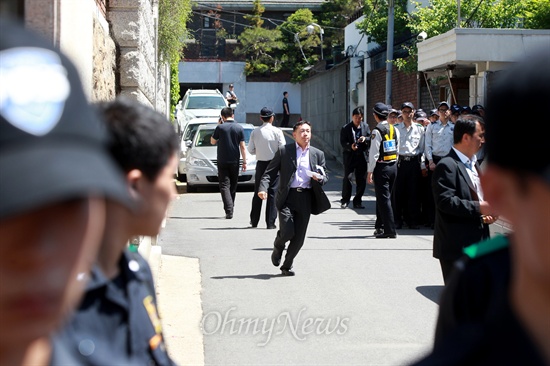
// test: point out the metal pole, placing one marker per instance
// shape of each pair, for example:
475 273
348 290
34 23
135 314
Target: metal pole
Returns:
389 55
458 14
321 31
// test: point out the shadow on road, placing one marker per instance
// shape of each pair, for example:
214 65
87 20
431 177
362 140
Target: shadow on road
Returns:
194 218
431 292
254 277
226 228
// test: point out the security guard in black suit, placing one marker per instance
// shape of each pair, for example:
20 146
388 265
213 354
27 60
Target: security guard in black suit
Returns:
382 170
355 141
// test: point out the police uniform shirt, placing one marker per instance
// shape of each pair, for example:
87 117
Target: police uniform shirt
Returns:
411 140
376 141
265 141
438 139
119 317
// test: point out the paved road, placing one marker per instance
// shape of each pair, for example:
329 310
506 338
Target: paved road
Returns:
355 300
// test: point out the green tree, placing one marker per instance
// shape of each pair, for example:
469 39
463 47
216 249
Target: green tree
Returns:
334 17
299 44
172 28
375 23
440 16
259 45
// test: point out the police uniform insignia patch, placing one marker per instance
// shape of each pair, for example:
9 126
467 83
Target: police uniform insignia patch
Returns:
152 312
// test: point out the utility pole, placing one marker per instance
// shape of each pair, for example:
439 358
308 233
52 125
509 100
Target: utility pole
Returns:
458 20
389 55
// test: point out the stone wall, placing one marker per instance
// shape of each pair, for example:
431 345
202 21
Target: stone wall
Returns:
104 65
134 30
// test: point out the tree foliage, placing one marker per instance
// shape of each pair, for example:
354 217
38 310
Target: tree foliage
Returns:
375 23
299 50
440 16
259 45
172 28
334 17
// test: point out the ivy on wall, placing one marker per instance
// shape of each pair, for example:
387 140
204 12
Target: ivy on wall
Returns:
172 29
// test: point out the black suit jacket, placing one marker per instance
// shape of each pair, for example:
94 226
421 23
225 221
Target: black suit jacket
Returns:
284 164
347 139
458 219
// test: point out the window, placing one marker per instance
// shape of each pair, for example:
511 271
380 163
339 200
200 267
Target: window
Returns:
204 102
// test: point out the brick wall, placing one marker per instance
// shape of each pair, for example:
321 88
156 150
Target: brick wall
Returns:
404 89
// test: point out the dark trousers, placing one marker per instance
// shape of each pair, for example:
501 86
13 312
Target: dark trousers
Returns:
447 268
293 221
406 192
228 176
384 177
271 209
286 118
428 210
358 168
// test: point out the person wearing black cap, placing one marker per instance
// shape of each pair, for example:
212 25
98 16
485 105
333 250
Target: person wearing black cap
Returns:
455 110
410 167
382 169
230 96
508 325
355 141
55 178
434 115
119 306
229 137
478 110
264 142
465 110
393 115
421 118
437 144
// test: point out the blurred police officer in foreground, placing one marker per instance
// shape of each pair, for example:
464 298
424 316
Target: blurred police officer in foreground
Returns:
55 178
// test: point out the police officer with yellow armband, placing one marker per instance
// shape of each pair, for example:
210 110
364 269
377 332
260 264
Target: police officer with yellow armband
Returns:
382 170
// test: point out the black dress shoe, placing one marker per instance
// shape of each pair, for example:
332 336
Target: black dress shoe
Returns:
287 272
272 226
378 231
359 206
253 225
276 257
229 216
385 236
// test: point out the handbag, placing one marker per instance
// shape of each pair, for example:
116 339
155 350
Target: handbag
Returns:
320 202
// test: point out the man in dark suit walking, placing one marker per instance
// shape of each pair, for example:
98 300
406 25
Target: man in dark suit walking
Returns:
297 164
462 216
355 141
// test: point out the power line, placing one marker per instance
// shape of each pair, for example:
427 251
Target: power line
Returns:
271 20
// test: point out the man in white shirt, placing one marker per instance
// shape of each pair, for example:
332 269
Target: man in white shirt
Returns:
264 142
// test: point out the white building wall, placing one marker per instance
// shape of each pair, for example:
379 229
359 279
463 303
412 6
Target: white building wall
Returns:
253 96
266 94
76 37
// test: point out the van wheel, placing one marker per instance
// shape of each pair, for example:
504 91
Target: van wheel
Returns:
191 189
